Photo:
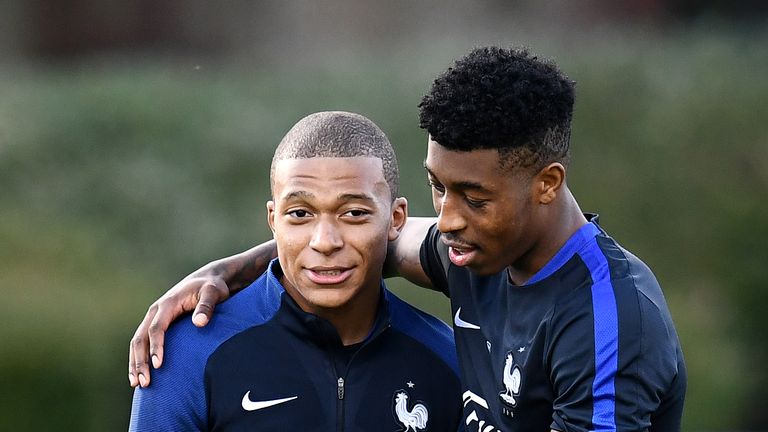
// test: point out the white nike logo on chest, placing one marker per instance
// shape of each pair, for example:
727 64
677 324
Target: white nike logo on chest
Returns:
250 405
463 324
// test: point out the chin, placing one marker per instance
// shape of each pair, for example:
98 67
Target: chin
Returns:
486 269
328 301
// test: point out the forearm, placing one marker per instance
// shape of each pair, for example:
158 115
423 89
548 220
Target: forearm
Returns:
241 269
403 253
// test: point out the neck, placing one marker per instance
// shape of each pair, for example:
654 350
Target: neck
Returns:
353 323
563 218
352 320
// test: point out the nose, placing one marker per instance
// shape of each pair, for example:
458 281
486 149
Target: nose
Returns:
326 237
449 217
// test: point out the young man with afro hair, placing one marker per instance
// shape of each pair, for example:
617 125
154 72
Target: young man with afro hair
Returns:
557 326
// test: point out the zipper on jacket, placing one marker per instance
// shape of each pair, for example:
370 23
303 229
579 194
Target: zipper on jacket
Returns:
340 405
340 382
340 388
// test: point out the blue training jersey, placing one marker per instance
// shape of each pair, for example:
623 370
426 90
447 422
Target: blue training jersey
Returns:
264 364
587 344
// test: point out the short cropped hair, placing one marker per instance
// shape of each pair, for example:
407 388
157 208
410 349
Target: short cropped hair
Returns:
504 99
338 134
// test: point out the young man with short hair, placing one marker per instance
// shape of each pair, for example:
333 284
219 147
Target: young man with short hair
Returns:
557 326
317 342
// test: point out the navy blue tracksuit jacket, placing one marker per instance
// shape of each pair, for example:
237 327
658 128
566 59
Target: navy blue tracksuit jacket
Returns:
264 364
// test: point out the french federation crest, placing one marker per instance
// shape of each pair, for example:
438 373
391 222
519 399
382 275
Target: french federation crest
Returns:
412 419
512 380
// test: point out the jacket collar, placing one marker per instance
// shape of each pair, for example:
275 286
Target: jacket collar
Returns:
313 327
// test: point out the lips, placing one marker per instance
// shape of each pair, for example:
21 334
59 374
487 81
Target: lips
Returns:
328 275
461 257
460 254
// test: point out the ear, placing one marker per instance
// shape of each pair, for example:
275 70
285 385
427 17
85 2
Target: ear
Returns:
271 216
399 217
548 182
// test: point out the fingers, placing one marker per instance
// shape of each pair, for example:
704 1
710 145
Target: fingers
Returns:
132 380
201 315
198 294
138 368
157 328
211 293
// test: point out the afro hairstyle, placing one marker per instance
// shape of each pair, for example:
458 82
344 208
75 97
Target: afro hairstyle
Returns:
504 99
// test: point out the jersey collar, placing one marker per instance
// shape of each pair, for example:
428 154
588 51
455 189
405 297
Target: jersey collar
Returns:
583 235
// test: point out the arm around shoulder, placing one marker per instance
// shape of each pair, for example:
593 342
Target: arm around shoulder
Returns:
403 253
200 292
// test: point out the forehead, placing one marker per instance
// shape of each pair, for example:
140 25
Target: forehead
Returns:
333 175
481 167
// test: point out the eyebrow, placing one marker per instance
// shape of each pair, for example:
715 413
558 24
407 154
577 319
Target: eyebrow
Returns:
341 197
355 196
298 194
462 185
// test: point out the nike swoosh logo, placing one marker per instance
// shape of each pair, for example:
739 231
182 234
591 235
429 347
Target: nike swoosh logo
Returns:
463 324
250 405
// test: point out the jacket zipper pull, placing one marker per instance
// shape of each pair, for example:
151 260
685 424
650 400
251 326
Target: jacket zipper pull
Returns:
340 388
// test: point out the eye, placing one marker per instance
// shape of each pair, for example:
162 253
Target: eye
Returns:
475 203
298 213
437 187
356 213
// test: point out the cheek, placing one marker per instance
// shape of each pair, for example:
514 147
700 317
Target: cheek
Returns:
290 240
508 230
496 225
373 242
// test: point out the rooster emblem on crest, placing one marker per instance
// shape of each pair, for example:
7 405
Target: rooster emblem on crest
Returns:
512 378
414 419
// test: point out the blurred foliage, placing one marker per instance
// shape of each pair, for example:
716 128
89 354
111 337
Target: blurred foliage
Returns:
116 181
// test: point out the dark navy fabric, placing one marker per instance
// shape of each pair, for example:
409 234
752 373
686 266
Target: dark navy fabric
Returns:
587 344
264 364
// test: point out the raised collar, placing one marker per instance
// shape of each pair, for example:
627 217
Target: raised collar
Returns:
316 328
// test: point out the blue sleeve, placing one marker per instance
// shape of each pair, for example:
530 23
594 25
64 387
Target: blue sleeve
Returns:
614 352
175 399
